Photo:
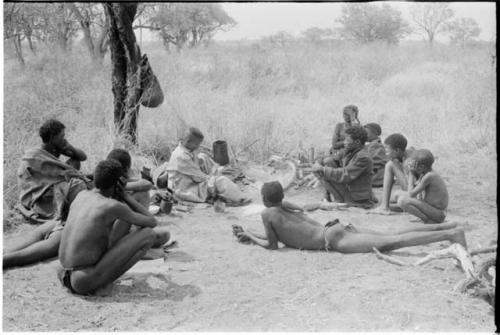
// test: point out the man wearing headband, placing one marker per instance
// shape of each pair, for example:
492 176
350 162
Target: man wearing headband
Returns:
296 230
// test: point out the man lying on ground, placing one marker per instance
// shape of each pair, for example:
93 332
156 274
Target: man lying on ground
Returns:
138 188
428 198
396 171
97 245
196 177
377 153
351 182
48 186
296 230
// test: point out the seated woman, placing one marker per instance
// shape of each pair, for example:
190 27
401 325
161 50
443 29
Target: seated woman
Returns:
195 177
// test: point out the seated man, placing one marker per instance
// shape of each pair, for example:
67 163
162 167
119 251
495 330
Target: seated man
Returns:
296 230
196 178
433 201
48 186
351 182
138 188
96 245
396 170
377 153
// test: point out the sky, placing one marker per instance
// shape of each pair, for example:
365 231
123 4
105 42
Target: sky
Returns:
256 20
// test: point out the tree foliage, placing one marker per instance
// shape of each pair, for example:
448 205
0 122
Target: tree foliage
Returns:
317 35
185 23
56 24
430 18
365 23
462 31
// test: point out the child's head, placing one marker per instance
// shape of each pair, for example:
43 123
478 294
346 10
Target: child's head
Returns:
373 130
350 113
272 194
193 138
52 131
355 137
421 161
121 156
107 174
395 145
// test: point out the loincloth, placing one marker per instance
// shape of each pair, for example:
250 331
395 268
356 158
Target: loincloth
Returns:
346 226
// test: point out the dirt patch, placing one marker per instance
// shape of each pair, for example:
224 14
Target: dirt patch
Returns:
212 283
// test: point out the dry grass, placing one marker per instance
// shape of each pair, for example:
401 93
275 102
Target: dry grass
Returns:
443 99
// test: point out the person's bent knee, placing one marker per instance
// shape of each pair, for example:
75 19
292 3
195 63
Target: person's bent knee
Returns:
402 201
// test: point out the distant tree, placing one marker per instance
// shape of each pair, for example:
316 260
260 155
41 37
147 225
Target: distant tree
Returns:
462 31
365 22
430 18
185 23
316 35
13 28
280 39
94 25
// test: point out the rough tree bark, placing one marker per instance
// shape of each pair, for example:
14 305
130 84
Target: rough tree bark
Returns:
129 76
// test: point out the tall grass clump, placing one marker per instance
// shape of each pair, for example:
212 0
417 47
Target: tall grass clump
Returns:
266 100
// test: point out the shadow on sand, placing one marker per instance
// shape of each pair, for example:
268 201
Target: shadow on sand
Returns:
138 287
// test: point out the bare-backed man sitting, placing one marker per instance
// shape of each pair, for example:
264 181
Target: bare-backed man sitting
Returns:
97 245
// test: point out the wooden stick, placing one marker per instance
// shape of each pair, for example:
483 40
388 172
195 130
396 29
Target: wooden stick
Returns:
389 259
483 250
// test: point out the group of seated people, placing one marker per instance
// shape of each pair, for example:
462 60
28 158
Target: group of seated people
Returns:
99 224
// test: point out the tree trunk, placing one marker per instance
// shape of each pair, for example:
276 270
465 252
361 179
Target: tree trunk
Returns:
125 57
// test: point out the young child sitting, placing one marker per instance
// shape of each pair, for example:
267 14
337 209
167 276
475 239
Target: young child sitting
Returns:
428 199
377 153
395 171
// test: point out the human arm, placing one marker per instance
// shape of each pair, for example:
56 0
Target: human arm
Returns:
420 187
337 142
72 152
138 185
271 240
350 172
291 207
132 211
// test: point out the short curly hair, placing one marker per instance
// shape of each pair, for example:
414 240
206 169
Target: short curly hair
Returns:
396 141
424 157
50 129
107 173
357 133
122 156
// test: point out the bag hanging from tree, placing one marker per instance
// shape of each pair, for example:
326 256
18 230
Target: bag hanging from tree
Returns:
152 94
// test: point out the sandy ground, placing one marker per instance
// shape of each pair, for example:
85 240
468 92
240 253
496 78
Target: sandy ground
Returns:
210 282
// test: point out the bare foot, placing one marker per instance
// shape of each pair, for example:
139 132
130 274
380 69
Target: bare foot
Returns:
458 236
380 211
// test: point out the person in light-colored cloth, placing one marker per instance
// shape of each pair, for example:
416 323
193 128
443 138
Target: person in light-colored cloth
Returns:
196 177
48 185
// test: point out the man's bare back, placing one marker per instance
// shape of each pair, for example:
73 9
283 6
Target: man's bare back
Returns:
435 193
86 235
295 230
